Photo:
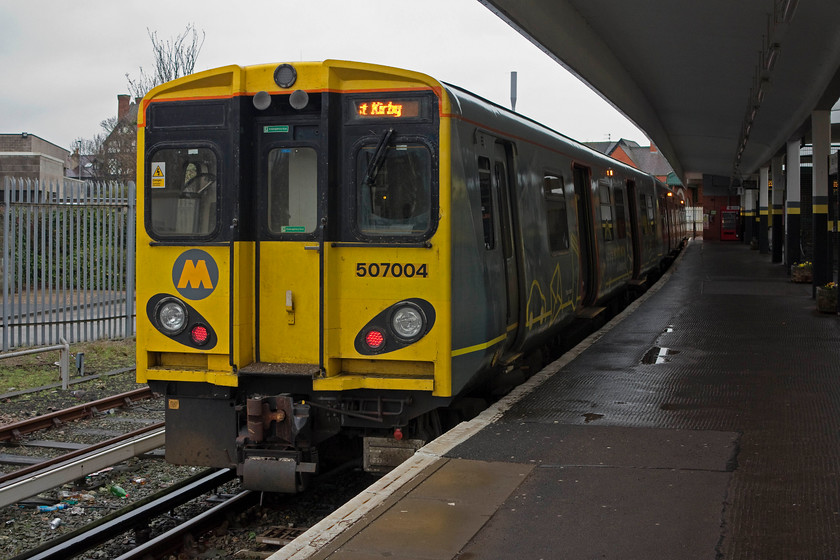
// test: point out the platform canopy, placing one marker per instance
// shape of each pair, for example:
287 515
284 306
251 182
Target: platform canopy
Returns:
719 86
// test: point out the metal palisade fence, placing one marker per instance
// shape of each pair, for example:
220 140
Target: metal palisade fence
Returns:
68 261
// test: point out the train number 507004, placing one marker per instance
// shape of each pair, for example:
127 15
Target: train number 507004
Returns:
391 270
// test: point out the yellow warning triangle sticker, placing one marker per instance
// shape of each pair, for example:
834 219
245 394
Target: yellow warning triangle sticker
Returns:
158 172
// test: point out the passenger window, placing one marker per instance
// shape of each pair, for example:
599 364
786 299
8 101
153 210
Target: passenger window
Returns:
394 190
606 212
183 192
292 190
556 217
620 220
487 214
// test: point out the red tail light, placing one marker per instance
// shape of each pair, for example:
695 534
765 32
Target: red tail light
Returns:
375 339
199 334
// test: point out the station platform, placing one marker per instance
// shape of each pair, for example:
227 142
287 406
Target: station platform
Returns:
701 423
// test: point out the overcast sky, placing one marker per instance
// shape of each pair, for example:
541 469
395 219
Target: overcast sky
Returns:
63 63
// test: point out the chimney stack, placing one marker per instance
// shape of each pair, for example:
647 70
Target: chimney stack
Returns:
123 101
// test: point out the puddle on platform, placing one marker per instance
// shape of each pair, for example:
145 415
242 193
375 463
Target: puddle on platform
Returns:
657 355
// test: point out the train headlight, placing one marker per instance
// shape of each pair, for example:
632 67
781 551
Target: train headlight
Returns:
395 327
171 316
408 322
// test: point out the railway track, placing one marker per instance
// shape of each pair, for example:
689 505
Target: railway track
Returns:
184 538
62 470
170 511
53 472
48 473
16 430
140 514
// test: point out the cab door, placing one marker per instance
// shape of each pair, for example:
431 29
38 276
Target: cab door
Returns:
503 187
288 264
588 259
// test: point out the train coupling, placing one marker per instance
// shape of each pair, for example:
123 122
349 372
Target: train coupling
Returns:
276 419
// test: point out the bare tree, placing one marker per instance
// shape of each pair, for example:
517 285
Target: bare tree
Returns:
118 152
111 155
86 156
174 58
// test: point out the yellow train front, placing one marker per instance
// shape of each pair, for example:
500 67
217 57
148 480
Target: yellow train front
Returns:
292 263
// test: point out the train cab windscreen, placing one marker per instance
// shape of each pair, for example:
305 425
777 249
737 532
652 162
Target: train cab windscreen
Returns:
182 192
394 189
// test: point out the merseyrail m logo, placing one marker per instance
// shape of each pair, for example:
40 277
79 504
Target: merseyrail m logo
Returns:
195 274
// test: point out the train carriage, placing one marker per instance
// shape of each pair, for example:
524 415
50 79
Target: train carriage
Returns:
341 248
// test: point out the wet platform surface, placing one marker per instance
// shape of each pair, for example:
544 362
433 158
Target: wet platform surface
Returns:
705 424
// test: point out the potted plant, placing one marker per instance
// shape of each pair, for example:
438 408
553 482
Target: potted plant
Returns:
802 272
827 298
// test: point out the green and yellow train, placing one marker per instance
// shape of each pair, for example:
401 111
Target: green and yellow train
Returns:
343 249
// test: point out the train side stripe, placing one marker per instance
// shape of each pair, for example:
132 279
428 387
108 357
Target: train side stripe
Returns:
477 347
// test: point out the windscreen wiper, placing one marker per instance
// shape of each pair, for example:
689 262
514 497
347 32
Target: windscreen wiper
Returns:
378 157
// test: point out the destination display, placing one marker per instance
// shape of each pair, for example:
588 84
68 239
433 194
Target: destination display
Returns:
387 108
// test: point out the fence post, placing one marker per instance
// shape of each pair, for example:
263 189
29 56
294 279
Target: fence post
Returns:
64 364
7 187
131 240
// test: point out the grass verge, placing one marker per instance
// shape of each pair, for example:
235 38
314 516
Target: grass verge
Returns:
38 370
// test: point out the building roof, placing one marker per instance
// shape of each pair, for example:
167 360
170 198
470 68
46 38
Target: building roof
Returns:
646 158
27 142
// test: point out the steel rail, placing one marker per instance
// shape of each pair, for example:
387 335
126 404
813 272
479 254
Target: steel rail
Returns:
172 540
10 432
79 467
47 463
129 517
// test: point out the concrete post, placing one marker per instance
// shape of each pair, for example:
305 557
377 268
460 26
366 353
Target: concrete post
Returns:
763 213
777 209
793 239
821 132
749 217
